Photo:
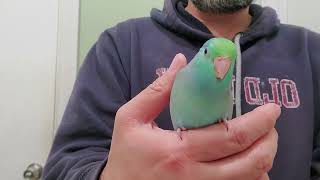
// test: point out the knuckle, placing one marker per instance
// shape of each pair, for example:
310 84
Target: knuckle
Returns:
274 140
175 162
275 134
267 115
265 177
120 113
189 147
276 108
160 85
121 118
264 162
240 137
270 115
124 115
185 145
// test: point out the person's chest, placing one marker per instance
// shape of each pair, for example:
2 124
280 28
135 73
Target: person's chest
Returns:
269 75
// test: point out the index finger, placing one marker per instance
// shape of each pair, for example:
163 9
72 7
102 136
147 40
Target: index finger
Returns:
215 142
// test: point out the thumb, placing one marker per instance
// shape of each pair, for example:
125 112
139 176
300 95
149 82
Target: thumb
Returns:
148 104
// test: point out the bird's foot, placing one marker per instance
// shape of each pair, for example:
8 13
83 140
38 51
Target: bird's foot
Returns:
225 123
179 132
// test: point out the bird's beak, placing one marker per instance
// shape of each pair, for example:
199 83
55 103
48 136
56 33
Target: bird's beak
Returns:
221 67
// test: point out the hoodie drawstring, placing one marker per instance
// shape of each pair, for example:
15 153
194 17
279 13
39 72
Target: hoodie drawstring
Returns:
238 76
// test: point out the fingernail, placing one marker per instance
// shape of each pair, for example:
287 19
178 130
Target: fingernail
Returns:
271 107
274 107
176 63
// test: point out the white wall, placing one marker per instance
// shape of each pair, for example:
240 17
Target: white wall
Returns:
67 55
304 13
279 5
297 12
28 41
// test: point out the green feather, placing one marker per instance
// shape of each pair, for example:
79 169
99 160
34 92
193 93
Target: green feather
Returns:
198 97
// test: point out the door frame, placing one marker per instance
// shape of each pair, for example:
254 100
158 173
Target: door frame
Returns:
67 55
68 47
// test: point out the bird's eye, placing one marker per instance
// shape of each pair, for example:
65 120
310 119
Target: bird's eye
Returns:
206 51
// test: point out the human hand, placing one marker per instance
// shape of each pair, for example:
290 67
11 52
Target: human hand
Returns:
140 150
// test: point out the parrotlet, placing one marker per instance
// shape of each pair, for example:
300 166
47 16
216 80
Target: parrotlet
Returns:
202 92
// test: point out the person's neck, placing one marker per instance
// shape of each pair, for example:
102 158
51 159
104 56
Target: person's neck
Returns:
222 25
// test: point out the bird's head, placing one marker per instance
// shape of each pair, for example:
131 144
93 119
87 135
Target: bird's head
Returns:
222 54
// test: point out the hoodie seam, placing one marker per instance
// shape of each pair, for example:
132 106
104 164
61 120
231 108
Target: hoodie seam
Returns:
84 173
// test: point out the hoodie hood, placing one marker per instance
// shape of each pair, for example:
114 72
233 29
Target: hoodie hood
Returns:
265 22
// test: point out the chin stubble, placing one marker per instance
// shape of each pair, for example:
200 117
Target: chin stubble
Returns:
221 6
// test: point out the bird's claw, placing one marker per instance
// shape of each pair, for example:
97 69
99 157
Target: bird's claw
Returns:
224 121
179 132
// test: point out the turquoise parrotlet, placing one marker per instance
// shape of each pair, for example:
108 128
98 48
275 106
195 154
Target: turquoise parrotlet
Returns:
202 92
